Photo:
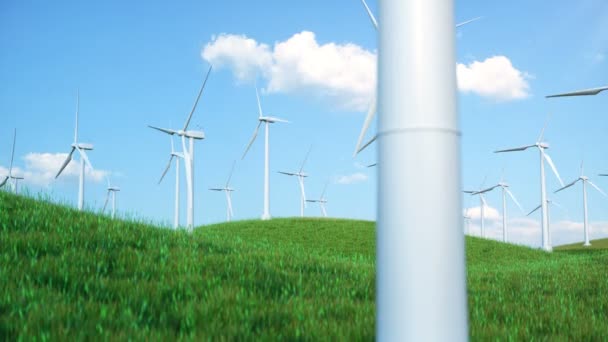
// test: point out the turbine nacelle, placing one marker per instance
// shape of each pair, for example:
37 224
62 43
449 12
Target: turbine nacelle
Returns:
543 145
113 188
271 119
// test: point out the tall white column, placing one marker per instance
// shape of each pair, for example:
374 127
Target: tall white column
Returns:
191 193
543 201
585 222
81 186
113 204
420 280
482 216
266 213
176 209
504 216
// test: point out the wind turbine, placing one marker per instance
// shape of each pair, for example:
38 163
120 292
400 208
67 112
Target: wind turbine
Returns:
322 200
482 205
266 120
541 146
301 177
228 190
81 148
189 154
177 156
584 92
584 179
505 190
371 112
10 175
548 204
111 190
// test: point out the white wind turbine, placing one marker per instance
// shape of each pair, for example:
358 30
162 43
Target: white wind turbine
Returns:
177 156
266 120
189 154
111 190
228 190
549 203
584 92
81 148
321 200
11 176
504 186
584 179
541 146
372 108
482 205
301 177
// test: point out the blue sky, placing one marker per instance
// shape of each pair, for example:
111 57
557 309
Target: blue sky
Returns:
141 63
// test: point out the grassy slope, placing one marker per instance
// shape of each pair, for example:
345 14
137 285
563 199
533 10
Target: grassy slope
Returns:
595 244
65 274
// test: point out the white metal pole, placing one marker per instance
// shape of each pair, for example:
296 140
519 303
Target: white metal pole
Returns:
266 213
228 205
81 186
543 201
504 216
585 222
420 280
176 213
482 216
113 204
191 193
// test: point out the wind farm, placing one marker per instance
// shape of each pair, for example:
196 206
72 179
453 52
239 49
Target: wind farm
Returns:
396 240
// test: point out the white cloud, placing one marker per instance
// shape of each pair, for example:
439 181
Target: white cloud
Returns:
494 78
489 213
342 74
41 168
357 177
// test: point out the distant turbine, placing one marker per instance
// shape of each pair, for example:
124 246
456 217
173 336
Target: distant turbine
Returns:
10 175
267 120
504 186
584 180
585 92
371 112
482 205
177 156
81 148
548 204
112 190
189 154
228 190
301 177
542 146
322 200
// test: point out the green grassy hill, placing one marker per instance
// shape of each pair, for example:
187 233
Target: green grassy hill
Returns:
595 244
70 275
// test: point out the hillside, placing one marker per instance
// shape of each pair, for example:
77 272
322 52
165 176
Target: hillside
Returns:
70 275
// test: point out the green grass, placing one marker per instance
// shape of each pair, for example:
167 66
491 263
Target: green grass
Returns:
595 244
67 275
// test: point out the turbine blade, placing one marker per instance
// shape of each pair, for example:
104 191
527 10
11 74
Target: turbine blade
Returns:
603 174
106 202
483 200
83 154
301 181
323 210
197 98
372 165
324 189
560 207
371 15
231 171
287 173
305 158
548 159
255 134
367 143
567 186
257 96
229 200
164 130
597 188
515 149
467 21
216 189
66 162
515 200
371 112
485 190
10 168
166 169
4 181
535 209
592 91
542 132
274 119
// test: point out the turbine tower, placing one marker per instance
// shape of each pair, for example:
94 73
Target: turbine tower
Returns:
548 204
228 190
321 200
111 190
505 190
266 120
11 176
584 92
584 179
541 146
177 156
371 112
420 289
189 154
301 177
81 148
